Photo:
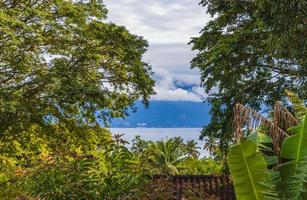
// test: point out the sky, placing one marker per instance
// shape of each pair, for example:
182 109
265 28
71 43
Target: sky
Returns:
168 26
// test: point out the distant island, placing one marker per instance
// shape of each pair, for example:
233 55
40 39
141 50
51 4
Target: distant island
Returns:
166 114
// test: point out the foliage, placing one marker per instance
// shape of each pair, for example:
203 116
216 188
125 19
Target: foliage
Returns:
192 149
70 178
174 156
63 71
250 52
294 171
104 169
166 155
110 173
204 166
61 63
125 173
211 145
139 145
288 181
32 151
248 168
298 104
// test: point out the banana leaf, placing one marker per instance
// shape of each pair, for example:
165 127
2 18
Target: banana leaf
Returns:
261 139
294 170
263 142
249 171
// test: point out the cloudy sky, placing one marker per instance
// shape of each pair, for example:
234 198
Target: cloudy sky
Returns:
168 26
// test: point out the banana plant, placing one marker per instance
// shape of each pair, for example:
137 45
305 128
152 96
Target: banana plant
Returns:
294 170
249 167
263 142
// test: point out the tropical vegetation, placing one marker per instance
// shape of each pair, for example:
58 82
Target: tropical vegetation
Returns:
259 172
65 72
249 53
114 172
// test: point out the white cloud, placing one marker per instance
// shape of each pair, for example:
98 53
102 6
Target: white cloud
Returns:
175 57
159 21
168 26
176 94
166 89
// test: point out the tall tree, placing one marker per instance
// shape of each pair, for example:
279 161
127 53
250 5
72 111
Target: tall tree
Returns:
61 61
250 52
63 68
192 149
211 146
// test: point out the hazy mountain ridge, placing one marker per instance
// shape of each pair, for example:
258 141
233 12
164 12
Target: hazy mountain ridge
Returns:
166 114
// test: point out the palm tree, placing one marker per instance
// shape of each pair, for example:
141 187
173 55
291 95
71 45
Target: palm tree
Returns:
211 145
166 155
192 149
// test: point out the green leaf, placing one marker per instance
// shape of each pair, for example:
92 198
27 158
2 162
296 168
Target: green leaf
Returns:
262 141
259 137
249 171
271 160
294 171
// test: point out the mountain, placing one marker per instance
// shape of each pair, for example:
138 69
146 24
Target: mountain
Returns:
166 114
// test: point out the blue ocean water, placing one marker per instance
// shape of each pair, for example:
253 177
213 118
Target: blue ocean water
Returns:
162 133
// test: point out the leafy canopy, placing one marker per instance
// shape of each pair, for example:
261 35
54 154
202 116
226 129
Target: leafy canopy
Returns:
63 69
61 61
250 52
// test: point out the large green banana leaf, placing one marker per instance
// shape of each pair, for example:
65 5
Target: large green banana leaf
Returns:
249 171
263 142
294 171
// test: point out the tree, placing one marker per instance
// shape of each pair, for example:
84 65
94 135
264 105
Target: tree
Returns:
250 52
63 70
110 173
192 149
139 145
166 155
211 146
61 62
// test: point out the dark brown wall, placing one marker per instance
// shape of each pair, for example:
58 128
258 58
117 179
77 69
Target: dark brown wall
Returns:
205 187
